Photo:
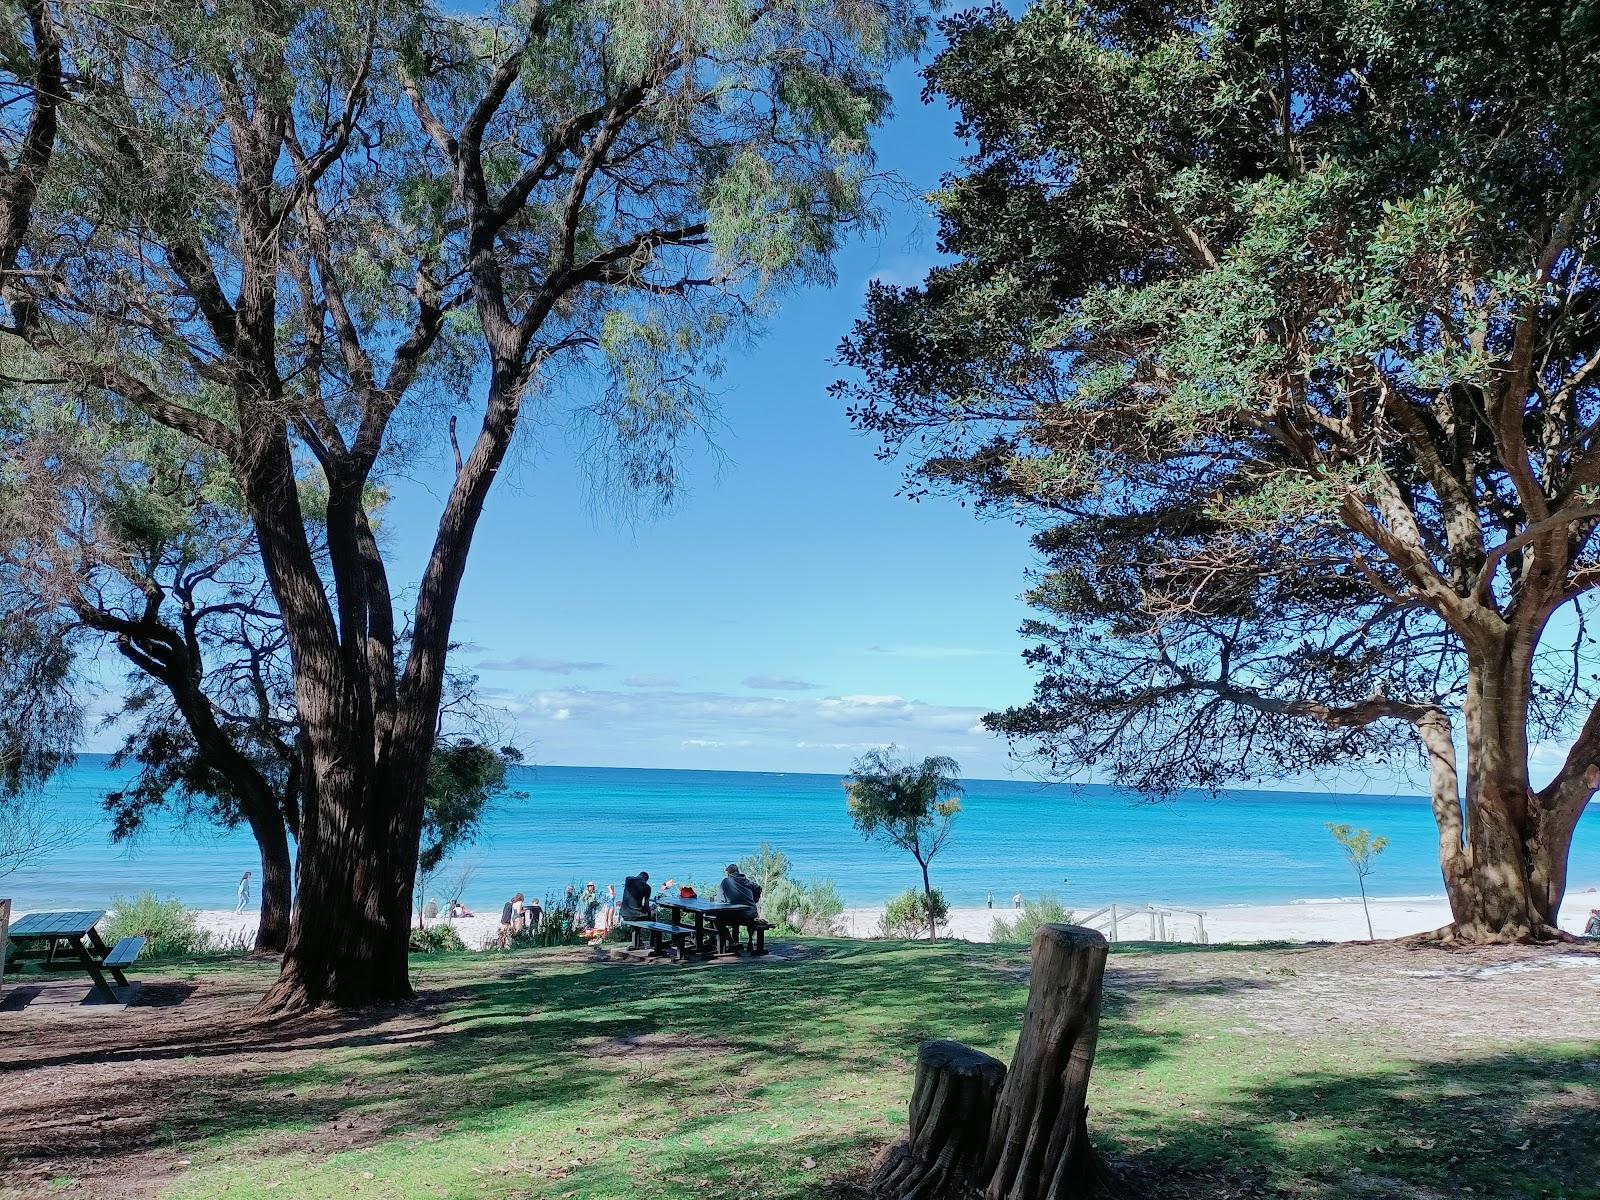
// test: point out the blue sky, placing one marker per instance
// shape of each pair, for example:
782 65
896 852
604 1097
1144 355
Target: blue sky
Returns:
790 611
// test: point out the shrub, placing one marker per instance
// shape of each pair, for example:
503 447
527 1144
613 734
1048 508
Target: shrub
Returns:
168 926
1046 910
907 914
436 939
812 908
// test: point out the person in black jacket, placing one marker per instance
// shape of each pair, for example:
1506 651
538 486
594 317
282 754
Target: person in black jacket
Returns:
738 888
635 904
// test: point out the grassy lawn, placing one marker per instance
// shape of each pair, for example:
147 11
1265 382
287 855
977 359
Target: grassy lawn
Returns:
540 1074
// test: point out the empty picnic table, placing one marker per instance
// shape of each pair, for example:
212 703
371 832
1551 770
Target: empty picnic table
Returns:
701 908
77 932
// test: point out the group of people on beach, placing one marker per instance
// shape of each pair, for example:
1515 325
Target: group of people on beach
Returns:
595 913
590 911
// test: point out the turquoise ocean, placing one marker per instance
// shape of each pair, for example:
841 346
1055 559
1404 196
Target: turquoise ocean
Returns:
573 824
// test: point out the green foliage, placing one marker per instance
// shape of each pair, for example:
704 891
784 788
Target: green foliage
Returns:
169 927
794 907
909 805
907 915
1359 846
1047 909
464 778
1243 310
436 939
768 866
809 908
41 713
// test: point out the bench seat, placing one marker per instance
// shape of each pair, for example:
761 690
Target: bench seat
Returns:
665 927
124 952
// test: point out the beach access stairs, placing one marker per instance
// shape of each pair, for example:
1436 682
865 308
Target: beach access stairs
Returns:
1147 923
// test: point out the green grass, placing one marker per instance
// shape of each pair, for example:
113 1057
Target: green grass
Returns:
536 1075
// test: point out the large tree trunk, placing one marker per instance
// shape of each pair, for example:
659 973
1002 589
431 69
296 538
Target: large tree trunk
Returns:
952 1106
350 935
1039 1140
1503 848
277 879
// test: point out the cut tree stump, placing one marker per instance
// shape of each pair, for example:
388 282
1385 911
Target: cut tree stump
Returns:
1039 1139
952 1105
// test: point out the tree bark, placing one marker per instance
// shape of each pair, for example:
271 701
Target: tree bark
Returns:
1039 1141
952 1106
277 875
927 896
349 938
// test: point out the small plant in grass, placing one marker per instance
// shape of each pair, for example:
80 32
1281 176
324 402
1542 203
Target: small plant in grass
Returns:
913 913
1360 848
436 939
1046 910
168 926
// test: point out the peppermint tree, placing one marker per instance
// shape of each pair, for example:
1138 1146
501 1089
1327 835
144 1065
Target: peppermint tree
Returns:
1279 322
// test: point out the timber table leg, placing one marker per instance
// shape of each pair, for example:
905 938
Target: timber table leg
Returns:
101 950
93 967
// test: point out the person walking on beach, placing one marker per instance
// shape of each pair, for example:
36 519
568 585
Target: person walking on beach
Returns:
1016 901
244 893
611 906
991 899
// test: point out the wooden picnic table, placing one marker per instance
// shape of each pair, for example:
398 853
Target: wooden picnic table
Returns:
77 933
701 908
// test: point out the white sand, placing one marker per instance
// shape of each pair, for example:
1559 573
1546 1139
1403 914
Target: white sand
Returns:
1302 921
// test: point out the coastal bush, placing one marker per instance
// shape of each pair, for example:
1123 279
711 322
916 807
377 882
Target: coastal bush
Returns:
168 926
436 939
811 908
1046 910
907 915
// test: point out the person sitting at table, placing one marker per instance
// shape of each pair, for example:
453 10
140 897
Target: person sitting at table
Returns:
740 890
636 897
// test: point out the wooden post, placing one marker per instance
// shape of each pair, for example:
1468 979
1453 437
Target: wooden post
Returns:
1113 922
1200 920
952 1107
1039 1140
5 928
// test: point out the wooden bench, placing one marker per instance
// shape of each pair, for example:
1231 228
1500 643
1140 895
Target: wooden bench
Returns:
124 952
757 936
676 935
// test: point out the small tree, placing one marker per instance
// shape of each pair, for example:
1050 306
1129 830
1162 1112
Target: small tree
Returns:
1360 847
768 866
911 806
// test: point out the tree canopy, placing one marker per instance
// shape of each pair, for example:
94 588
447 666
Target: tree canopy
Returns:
909 805
1279 321
315 234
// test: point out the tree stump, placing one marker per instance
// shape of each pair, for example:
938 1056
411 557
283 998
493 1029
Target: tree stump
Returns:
952 1105
1039 1139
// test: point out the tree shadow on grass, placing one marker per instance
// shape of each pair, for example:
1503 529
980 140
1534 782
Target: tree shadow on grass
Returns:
1523 1126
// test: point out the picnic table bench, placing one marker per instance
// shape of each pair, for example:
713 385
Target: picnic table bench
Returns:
75 932
660 932
718 911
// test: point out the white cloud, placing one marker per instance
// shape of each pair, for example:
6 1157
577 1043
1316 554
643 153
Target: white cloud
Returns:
778 683
549 666
650 681
716 729
931 651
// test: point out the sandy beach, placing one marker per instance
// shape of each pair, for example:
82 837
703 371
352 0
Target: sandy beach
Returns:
1302 921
